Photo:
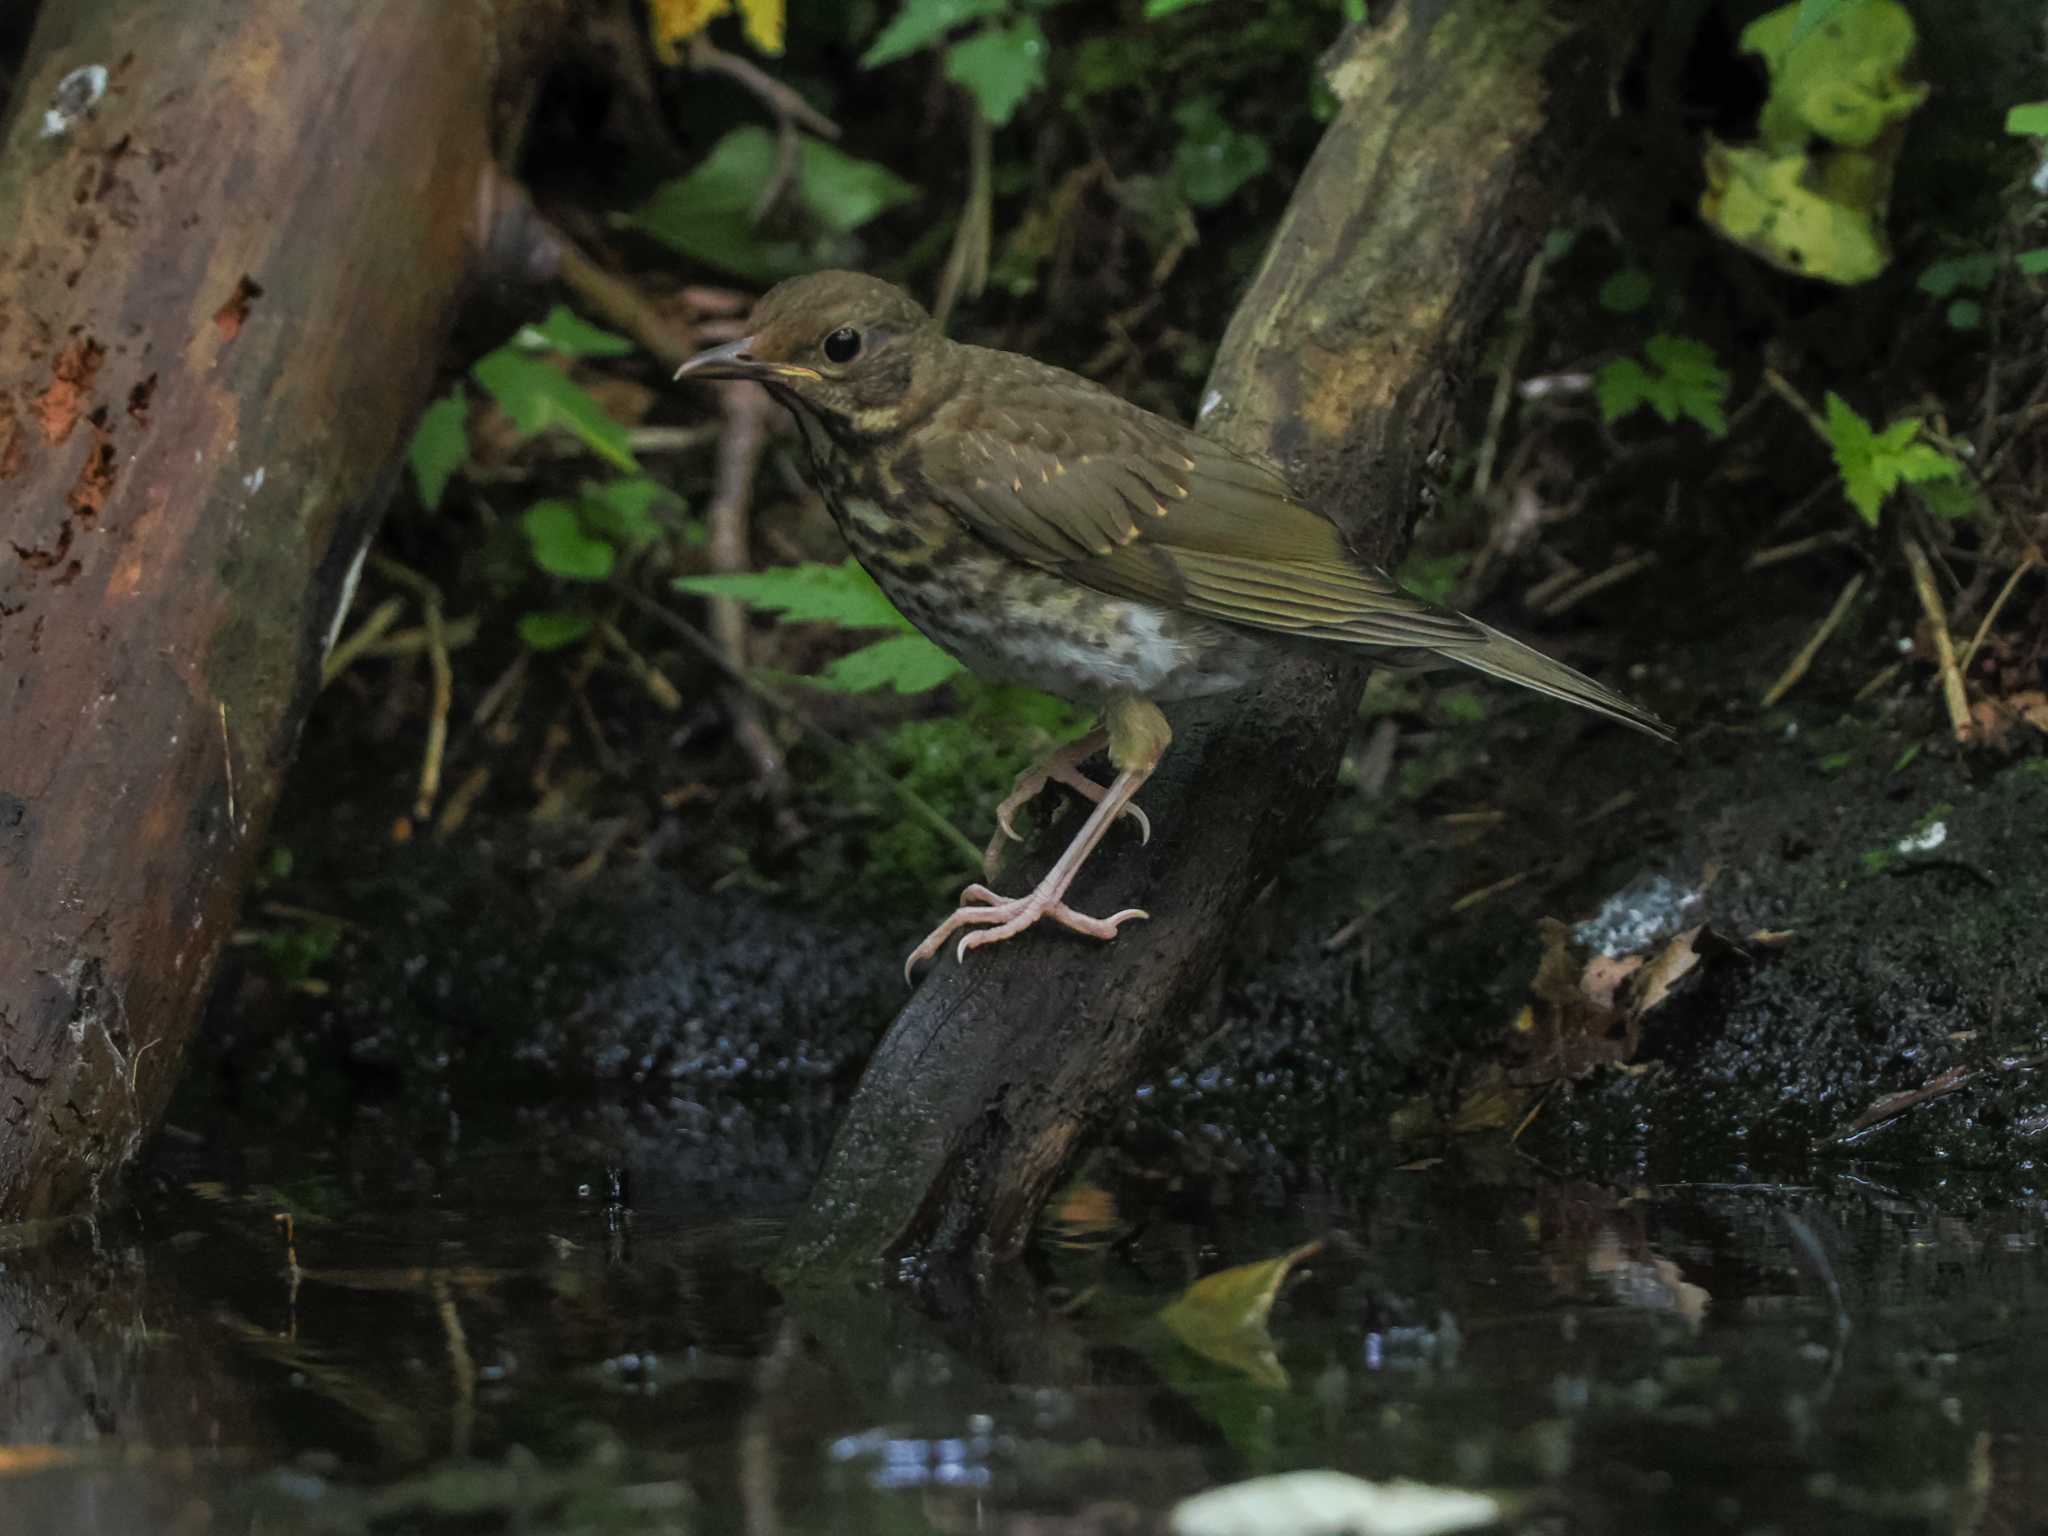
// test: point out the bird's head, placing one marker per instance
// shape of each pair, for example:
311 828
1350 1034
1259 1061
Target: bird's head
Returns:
841 345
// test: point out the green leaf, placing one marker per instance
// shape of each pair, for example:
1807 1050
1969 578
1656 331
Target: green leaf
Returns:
846 596
1432 577
550 631
1813 12
1683 381
569 333
842 594
1621 387
1839 79
2033 263
844 193
2028 119
1872 464
708 215
1626 292
1819 218
1461 706
1965 315
440 444
907 663
999 66
1955 499
1154 9
623 510
1213 160
537 396
1944 277
921 23
561 547
1223 1316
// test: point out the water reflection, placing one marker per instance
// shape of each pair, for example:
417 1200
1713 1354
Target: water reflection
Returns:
1822 1357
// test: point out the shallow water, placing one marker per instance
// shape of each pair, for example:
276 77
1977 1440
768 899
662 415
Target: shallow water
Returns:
503 1346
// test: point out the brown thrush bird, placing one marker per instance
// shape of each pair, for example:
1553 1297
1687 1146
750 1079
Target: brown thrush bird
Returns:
1046 532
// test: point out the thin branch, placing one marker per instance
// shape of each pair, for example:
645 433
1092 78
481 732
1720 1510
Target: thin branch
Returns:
739 455
1797 668
841 751
1997 606
966 270
1520 324
1952 690
781 99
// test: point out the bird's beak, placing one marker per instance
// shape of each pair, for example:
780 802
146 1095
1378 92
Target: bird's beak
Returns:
736 360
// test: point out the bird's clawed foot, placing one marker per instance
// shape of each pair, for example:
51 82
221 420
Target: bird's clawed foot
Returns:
1008 916
1062 765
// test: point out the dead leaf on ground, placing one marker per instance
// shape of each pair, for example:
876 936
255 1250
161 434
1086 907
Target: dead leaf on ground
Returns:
1584 1014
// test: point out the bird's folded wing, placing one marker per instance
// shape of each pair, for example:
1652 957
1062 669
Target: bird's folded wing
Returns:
1073 479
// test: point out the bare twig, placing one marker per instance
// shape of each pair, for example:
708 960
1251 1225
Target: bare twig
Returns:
1782 387
437 722
1952 690
966 270
1520 323
1797 667
1997 606
780 99
739 456
650 677
1487 892
1940 1086
644 440
1599 581
844 751
1812 544
444 678
365 635
1884 675
620 302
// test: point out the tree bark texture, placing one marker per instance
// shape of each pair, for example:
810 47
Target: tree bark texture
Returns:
235 236
1407 234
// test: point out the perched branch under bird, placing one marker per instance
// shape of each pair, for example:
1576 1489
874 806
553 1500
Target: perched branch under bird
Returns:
1047 532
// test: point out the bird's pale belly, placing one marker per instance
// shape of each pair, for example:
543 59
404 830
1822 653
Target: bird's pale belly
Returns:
1013 623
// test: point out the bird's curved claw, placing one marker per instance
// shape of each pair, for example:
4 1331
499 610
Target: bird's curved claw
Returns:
1029 786
1006 917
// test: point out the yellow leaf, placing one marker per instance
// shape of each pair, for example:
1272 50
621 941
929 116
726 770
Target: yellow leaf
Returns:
1223 1316
670 22
763 20
1817 216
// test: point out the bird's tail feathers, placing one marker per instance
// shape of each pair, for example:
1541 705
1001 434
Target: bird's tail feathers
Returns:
1513 662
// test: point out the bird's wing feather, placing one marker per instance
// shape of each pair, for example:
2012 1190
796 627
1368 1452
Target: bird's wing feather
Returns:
1069 477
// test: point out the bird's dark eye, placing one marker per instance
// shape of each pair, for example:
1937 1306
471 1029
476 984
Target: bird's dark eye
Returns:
843 345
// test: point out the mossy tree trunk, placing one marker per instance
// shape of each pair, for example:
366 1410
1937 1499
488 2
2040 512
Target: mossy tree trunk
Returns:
233 250
1408 233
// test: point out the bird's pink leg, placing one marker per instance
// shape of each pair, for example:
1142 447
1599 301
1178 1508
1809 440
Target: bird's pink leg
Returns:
1006 917
1062 765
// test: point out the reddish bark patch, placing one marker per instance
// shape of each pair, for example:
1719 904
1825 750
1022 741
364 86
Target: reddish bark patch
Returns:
59 407
95 482
229 316
13 442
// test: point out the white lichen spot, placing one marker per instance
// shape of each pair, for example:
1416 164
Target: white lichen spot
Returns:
1926 840
76 95
253 481
1638 915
